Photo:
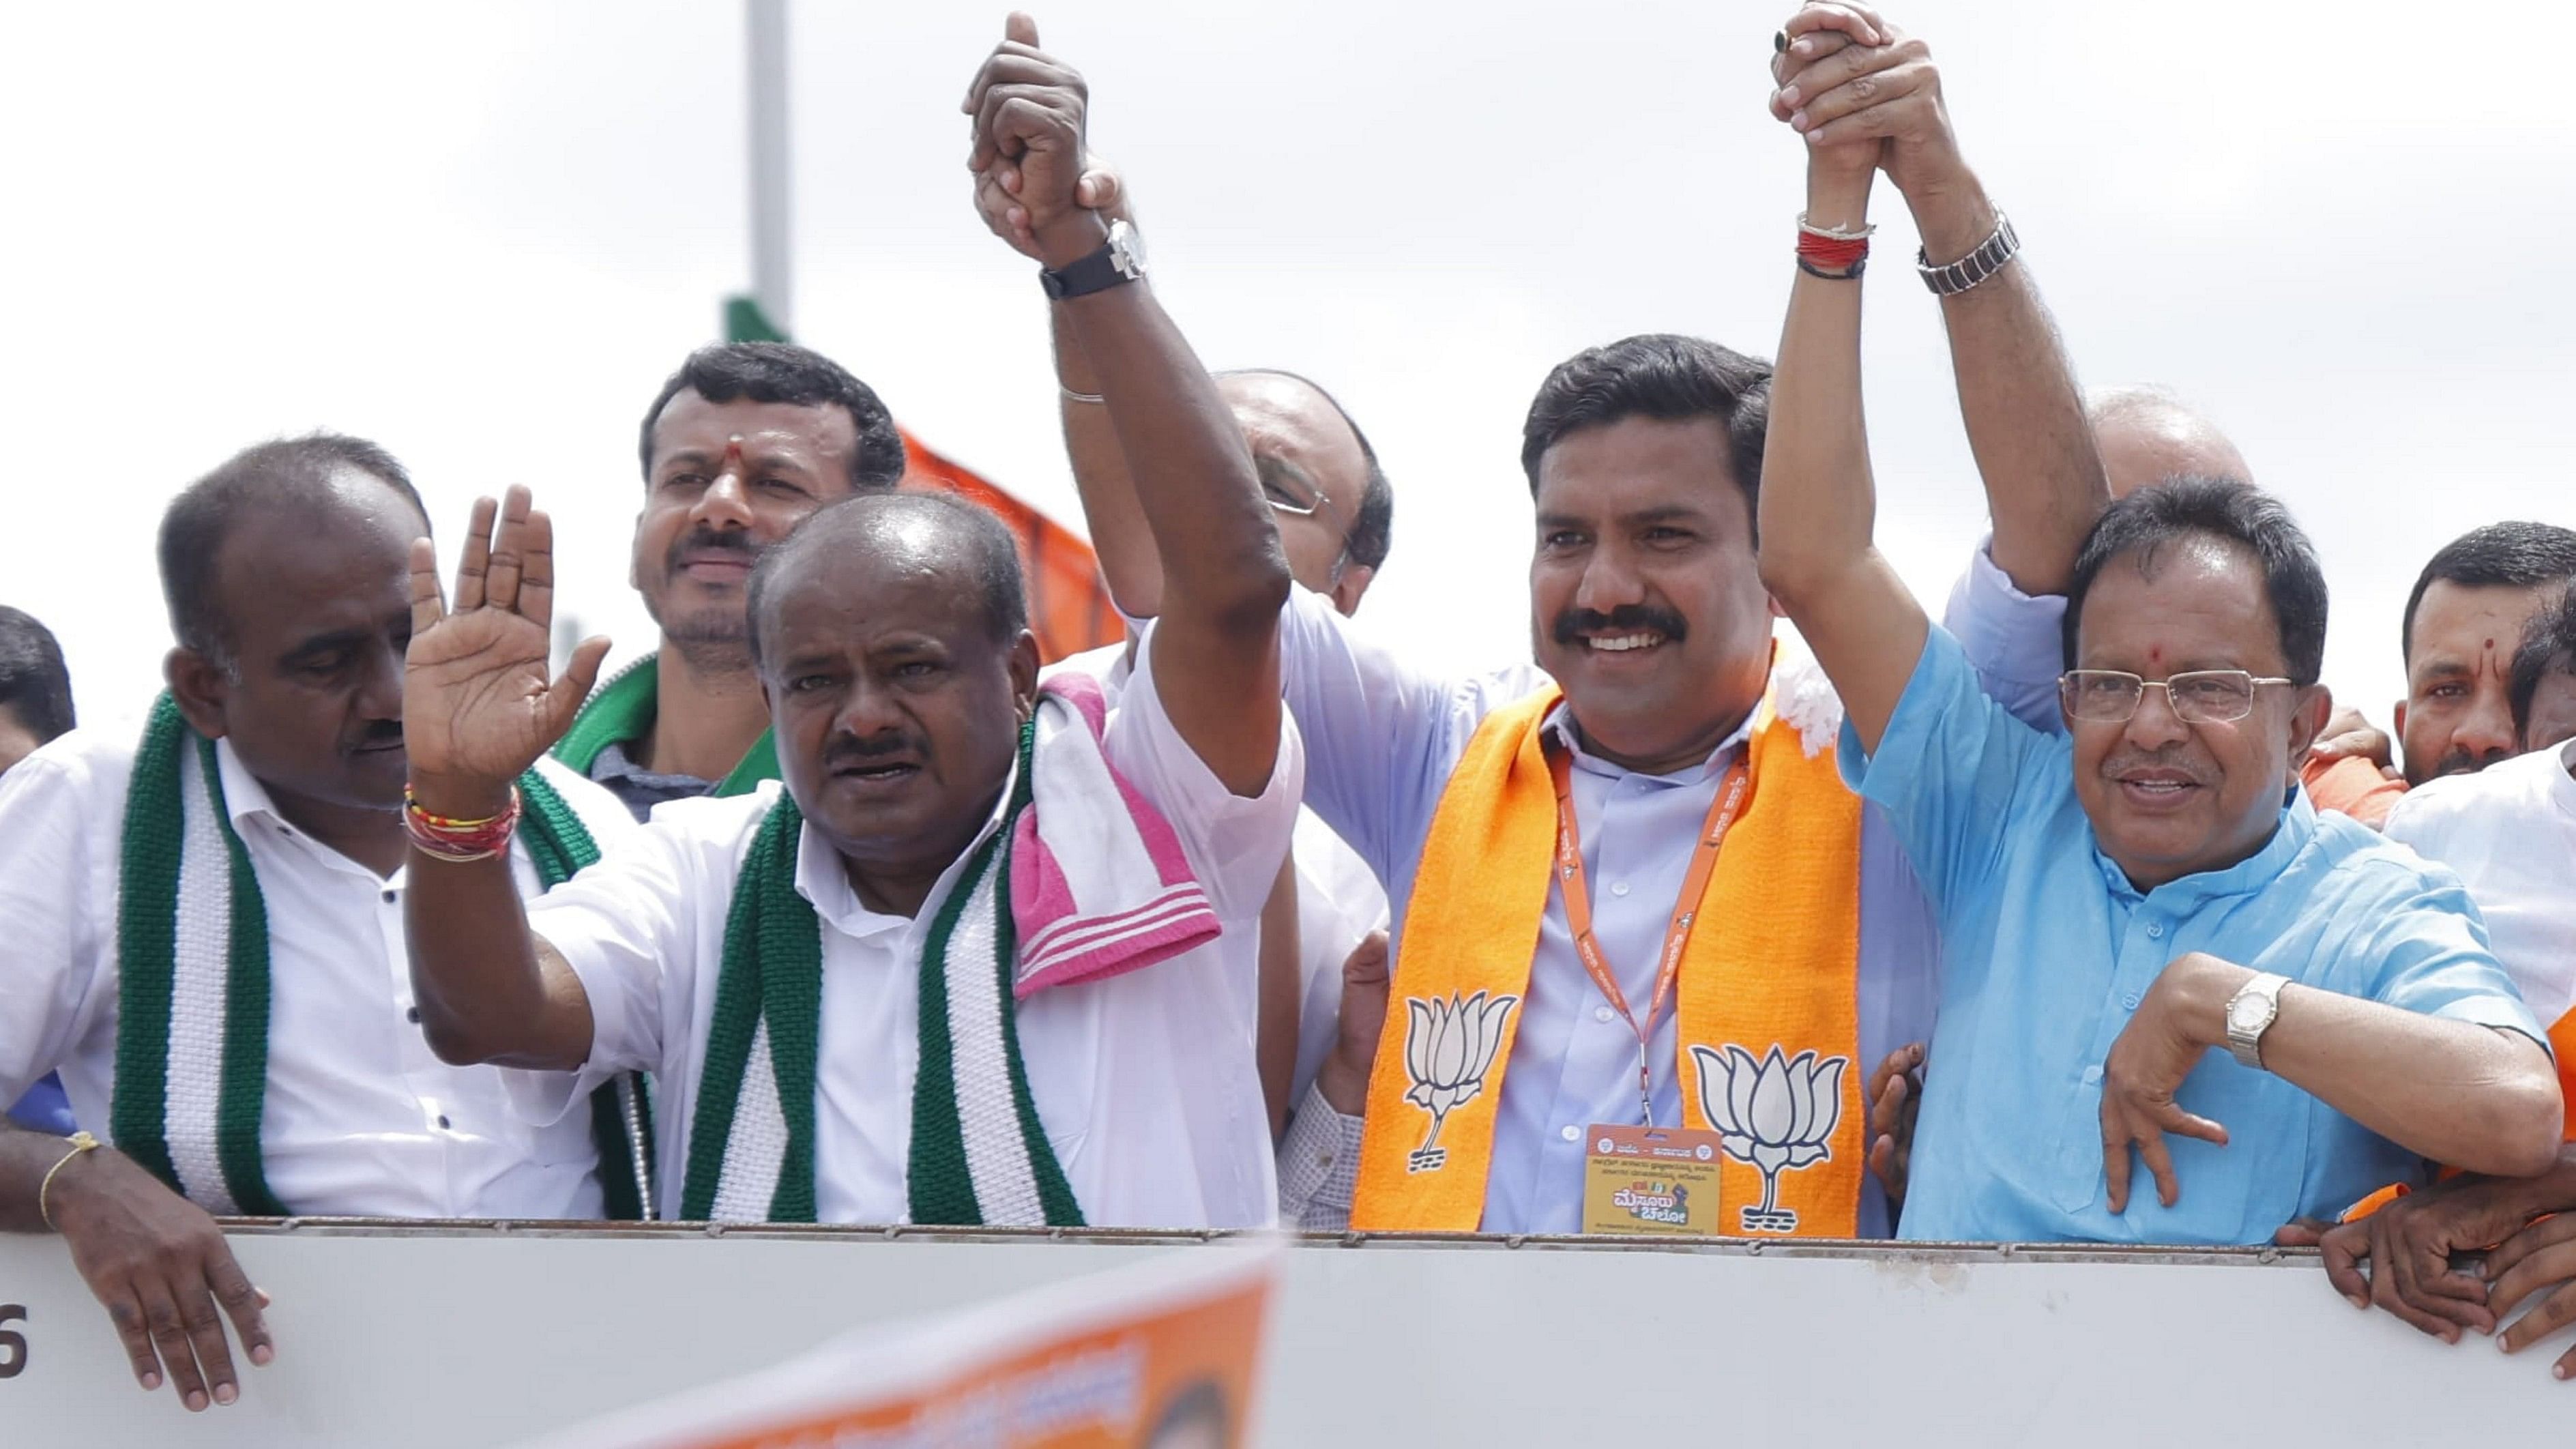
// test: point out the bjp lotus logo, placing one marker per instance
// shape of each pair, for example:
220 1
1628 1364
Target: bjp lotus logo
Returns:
1777 1114
1448 1045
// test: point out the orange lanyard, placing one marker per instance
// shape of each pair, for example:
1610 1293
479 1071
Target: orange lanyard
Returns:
1578 908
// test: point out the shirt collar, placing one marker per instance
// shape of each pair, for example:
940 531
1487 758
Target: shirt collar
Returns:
825 883
2296 827
244 796
1560 724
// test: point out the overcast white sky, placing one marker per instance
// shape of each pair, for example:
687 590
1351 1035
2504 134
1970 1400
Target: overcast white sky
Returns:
483 232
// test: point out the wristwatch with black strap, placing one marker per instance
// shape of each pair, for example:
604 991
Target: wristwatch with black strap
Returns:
1119 260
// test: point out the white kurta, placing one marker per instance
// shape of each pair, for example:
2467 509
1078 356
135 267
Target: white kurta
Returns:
1145 1084
2510 832
362 1119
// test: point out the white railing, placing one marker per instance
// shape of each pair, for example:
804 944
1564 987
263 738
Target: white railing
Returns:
478 1334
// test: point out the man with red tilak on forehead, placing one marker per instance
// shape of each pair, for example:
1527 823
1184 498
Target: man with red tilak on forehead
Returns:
743 442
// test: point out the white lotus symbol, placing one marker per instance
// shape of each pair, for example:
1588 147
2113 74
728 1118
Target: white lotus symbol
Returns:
1778 1114
1448 1045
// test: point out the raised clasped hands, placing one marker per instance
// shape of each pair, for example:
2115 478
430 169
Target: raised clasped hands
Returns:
478 706
1036 186
1864 94
2165 1039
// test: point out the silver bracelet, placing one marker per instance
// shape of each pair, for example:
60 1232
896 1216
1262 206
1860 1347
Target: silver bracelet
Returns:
1835 233
1081 397
1990 257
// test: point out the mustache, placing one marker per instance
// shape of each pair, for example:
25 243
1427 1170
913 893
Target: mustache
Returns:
854 750
709 540
1572 624
2175 758
375 732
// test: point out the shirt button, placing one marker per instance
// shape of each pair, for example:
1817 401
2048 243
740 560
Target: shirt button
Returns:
1619 888
2092 1075
2155 929
412 1015
442 1120
1601 1013
389 898
1570 1132
2130 1001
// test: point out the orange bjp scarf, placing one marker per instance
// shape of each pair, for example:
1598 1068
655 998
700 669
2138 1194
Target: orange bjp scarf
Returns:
1768 1043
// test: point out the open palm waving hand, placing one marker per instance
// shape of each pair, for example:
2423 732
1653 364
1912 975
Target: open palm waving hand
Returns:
478 708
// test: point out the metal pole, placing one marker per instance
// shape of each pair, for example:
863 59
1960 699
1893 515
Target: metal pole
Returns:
772 264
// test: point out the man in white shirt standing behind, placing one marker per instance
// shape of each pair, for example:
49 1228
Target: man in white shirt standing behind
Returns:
204 931
2509 830
826 980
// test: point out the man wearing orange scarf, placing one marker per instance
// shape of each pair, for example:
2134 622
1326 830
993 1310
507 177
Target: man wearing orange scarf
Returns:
1627 883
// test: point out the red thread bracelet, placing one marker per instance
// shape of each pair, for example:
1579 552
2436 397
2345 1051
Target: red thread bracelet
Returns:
448 838
1828 254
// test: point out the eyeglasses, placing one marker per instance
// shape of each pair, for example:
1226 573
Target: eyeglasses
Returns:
1288 490
2198 696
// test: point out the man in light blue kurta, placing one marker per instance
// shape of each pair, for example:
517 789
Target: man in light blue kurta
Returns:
2175 1006
2050 949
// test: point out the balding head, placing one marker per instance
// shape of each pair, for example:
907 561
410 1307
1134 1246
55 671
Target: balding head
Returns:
1335 509
890 633
2146 435
901 534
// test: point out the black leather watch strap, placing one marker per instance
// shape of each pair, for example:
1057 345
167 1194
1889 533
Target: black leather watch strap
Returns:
1114 264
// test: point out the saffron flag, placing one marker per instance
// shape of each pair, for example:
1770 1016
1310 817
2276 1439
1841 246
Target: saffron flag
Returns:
1069 607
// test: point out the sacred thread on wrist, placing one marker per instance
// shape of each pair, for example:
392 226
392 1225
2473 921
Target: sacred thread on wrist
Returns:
81 1142
458 841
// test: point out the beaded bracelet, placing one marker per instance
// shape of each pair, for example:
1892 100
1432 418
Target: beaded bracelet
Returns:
457 841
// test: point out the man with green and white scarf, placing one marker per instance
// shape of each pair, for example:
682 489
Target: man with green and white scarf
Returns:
743 441
204 927
829 981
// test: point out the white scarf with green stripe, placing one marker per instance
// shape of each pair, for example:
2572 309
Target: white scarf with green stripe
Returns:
193 982
979 1154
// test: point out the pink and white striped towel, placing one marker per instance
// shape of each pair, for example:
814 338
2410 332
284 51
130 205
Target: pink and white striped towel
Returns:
1099 883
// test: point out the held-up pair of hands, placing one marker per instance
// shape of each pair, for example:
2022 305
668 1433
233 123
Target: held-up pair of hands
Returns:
2530 1257
1037 185
1864 95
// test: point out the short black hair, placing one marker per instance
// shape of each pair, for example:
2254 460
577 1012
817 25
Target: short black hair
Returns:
2226 509
2548 647
1663 376
287 471
992 552
35 685
1372 528
2516 554
782 372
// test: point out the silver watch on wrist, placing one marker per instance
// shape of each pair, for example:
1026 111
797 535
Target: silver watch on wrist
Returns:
2250 1013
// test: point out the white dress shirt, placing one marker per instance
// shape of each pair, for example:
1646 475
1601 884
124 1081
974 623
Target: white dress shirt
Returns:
2509 831
1145 1083
1382 739
362 1119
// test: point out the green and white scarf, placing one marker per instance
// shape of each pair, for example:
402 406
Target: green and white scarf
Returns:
979 1154
193 992
622 710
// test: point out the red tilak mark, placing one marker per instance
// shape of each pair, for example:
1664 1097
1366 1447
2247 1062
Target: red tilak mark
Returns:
733 450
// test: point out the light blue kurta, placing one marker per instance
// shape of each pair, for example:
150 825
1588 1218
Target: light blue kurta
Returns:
2048 949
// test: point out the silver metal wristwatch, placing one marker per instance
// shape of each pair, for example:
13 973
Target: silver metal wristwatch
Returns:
2250 1013
1990 256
